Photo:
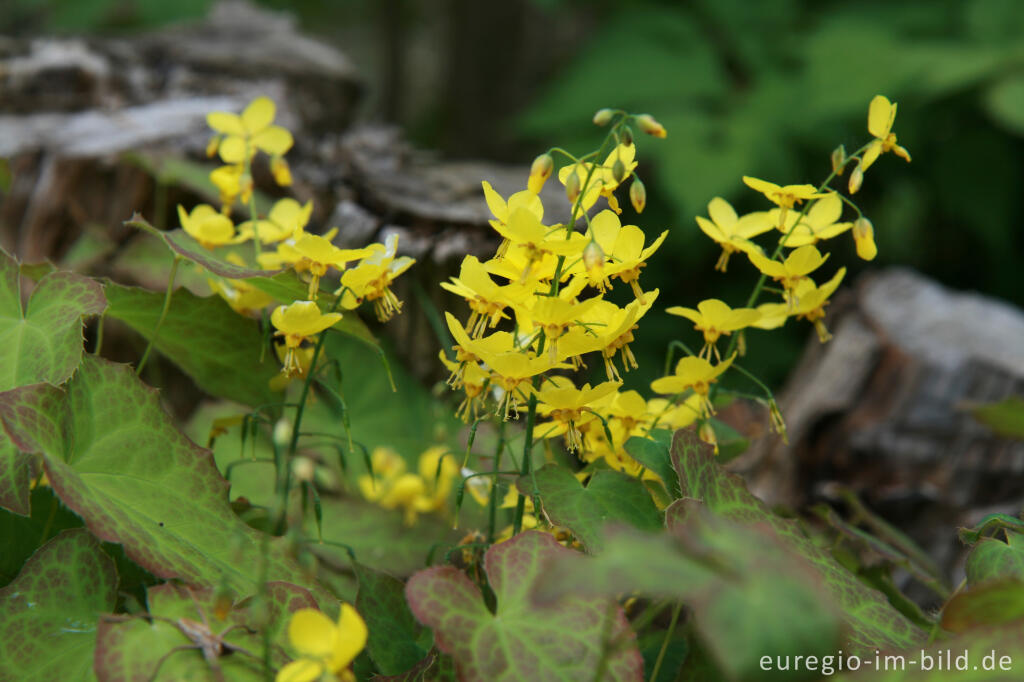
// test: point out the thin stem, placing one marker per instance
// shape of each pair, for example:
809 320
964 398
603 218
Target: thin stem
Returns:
664 643
163 315
99 333
492 503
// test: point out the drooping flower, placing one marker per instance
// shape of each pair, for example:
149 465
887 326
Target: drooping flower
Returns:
715 319
296 323
783 196
790 272
730 231
253 130
286 219
371 280
819 223
208 226
881 116
693 373
324 647
566 405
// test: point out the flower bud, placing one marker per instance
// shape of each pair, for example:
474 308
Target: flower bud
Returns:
856 179
281 172
778 424
212 146
839 159
864 237
540 171
572 186
602 117
619 170
627 136
650 126
593 256
282 433
638 195
303 469
707 434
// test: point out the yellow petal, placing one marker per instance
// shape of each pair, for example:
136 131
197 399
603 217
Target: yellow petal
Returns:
723 214
274 140
494 202
302 318
312 633
232 149
870 155
258 114
225 122
351 638
302 670
881 114
804 260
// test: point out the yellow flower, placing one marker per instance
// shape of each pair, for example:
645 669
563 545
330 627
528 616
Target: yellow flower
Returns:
881 115
715 319
511 370
233 183
730 231
472 379
602 181
244 298
243 135
208 226
324 646
807 302
296 323
371 280
820 222
486 299
566 405
864 238
784 196
286 219
693 373
800 263
314 254
526 200
469 350
623 247
526 233
438 470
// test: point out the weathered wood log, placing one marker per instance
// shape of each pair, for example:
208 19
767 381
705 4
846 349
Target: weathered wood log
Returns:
882 409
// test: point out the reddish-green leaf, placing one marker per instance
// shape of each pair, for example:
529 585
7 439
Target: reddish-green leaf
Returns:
566 640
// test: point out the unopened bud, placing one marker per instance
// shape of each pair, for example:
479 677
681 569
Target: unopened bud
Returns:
281 171
212 146
839 159
572 186
618 170
593 255
856 179
864 238
602 117
777 422
282 433
303 469
638 195
540 171
649 125
707 434
627 136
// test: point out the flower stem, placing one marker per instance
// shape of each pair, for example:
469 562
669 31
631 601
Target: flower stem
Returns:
492 503
664 643
163 315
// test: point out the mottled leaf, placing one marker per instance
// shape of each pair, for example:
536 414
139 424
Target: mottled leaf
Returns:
394 636
991 522
609 497
14 477
993 559
995 602
48 615
115 458
140 648
871 622
520 640
43 340
218 348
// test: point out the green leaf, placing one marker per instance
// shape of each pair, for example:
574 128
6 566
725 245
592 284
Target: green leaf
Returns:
22 535
1005 102
48 615
992 559
132 648
871 622
609 497
115 458
214 345
993 603
393 630
522 641
748 592
43 341
1005 417
655 456
15 472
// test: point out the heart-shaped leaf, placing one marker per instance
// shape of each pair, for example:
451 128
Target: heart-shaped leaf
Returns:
48 615
566 640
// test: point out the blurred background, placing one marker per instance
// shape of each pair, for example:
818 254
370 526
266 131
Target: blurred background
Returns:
401 107
765 89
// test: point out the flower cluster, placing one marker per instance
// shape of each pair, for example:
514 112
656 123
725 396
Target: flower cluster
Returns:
427 491
363 274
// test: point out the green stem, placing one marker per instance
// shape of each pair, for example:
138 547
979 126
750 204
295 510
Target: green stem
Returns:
163 315
99 333
492 503
664 643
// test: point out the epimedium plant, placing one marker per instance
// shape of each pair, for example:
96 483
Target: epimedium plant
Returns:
319 545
